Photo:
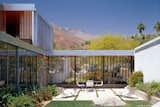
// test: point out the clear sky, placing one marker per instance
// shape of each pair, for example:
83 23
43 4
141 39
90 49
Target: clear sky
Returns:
99 16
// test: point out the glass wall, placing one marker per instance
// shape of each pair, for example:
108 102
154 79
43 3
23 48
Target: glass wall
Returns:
22 67
27 68
7 64
109 69
42 67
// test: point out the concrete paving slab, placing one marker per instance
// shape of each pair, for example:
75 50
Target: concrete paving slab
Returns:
87 94
68 94
101 97
106 97
128 97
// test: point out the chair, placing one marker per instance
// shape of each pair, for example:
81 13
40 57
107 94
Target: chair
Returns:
89 84
81 84
98 83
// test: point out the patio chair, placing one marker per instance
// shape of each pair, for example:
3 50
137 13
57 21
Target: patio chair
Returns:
98 83
81 84
89 83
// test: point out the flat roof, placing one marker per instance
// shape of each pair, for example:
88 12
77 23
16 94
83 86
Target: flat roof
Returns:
91 53
148 44
6 38
17 7
20 53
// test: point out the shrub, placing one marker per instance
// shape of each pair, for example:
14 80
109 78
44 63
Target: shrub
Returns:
151 88
53 89
135 78
21 101
4 99
5 94
45 94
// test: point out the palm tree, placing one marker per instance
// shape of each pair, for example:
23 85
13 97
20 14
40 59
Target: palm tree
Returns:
157 27
141 27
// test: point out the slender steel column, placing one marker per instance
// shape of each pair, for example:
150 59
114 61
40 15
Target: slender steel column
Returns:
32 76
75 70
103 67
17 70
7 63
132 63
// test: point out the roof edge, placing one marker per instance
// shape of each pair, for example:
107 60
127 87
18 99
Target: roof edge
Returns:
18 7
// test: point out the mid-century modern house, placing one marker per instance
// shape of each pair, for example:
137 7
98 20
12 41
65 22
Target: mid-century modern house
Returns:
27 57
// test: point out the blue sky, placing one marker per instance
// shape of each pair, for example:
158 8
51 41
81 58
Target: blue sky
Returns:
99 16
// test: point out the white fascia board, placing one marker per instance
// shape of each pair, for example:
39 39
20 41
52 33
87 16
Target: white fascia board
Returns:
149 43
17 7
91 53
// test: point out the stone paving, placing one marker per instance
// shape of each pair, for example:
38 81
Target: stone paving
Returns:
128 97
103 97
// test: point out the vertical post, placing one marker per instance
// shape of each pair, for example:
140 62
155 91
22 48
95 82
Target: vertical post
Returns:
103 67
7 63
17 70
132 63
75 69
37 72
32 80
33 27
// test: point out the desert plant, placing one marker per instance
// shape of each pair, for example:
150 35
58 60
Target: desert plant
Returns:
135 78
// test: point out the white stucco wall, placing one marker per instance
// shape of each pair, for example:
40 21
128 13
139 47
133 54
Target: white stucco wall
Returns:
148 61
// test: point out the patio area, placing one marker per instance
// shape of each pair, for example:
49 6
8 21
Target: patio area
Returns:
99 96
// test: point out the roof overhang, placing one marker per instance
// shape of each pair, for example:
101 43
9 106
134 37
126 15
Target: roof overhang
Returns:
6 38
17 7
148 44
91 53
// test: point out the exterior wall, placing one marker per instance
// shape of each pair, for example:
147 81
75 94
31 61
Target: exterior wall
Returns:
148 62
59 76
32 28
72 69
42 70
24 23
43 37
2 21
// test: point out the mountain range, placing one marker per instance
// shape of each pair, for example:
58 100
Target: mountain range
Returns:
67 38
